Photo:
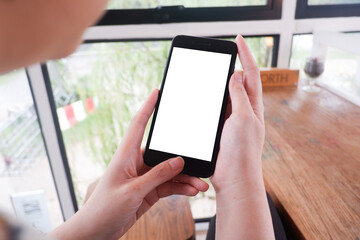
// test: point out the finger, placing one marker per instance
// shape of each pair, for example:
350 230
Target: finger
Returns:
164 190
193 181
240 103
247 61
142 151
171 188
159 174
228 108
143 169
251 80
135 132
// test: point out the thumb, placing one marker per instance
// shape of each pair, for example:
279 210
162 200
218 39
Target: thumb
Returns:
160 174
238 95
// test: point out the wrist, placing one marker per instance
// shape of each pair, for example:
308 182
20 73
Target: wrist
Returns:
246 186
247 178
239 212
240 208
75 228
241 190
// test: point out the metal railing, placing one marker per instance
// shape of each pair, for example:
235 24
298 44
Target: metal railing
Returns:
21 144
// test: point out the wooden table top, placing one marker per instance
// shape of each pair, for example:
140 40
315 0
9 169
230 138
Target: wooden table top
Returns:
311 162
169 218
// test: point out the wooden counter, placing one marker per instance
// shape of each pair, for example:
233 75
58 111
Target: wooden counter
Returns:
169 218
311 162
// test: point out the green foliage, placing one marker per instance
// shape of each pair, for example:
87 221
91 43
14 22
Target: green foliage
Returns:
120 77
261 53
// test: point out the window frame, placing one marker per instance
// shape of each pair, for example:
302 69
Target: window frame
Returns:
303 10
66 171
46 112
177 14
274 57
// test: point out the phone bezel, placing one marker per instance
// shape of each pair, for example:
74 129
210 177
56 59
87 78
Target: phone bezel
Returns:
193 166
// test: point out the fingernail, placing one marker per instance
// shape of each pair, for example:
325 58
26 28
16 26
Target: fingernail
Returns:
238 76
176 163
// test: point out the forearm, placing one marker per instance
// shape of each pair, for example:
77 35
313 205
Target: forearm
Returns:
77 227
243 212
66 231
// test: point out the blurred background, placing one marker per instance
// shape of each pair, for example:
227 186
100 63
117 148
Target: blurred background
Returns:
63 141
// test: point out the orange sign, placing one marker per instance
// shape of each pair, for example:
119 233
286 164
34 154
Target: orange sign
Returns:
279 77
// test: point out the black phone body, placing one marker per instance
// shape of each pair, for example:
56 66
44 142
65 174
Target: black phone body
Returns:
190 111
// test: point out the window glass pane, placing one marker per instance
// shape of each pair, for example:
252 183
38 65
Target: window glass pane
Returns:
25 175
100 87
261 48
119 4
300 51
341 68
332 2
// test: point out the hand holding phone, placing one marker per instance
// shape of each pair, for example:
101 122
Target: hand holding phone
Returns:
242 210
190 111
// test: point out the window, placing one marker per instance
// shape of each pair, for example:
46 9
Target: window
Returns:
300 51
99 88
24 169
136 12
118 4
341 67
331 2
327 8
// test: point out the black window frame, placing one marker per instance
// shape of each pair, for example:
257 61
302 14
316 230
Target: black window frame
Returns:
274 58
303 10
177 14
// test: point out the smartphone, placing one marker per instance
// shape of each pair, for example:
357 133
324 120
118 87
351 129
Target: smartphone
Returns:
190 109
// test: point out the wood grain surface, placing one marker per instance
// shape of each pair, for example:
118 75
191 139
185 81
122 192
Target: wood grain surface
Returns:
169 218
311 162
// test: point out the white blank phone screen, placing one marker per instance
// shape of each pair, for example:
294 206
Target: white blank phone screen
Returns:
190 106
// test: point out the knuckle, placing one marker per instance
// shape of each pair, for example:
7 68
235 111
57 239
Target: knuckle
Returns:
262 106
253 70
131 192
161 170
138 119
244 118
259 105
256 69
262 109
134 120
240 89
247 116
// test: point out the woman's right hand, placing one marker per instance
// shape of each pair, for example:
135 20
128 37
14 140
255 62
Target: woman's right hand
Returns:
242 138
242 208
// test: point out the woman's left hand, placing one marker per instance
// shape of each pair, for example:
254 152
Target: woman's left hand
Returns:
128 188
